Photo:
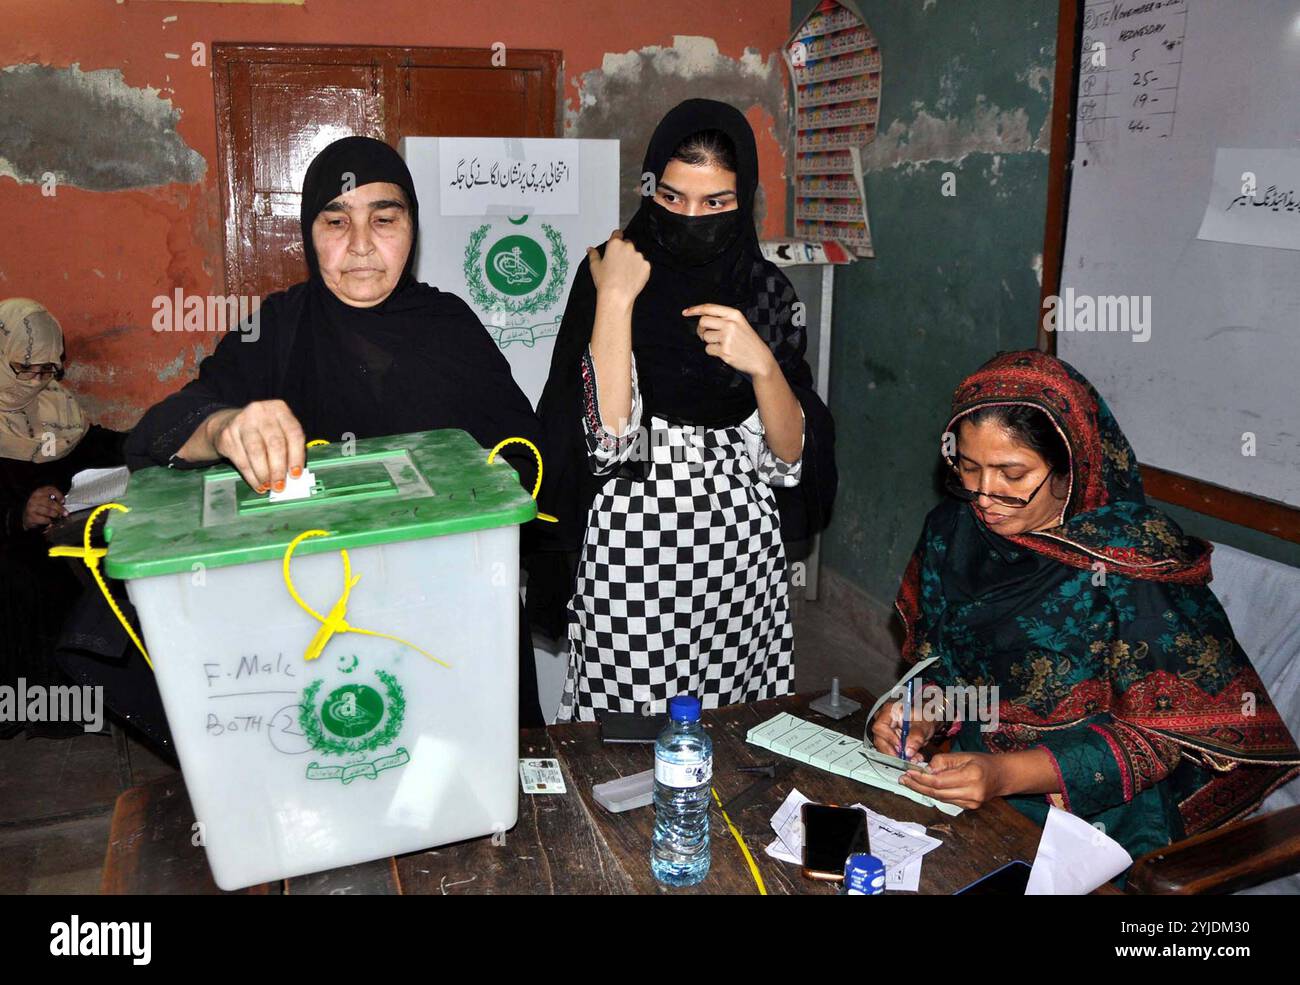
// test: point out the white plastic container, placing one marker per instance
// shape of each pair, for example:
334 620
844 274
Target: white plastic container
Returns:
373 749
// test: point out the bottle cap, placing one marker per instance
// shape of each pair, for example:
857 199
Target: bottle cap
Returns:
684 708
864 875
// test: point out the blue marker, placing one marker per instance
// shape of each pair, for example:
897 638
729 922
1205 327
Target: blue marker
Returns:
907 722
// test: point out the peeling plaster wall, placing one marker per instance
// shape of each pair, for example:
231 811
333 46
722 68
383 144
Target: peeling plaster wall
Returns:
91 130
104 96
628 94
966 91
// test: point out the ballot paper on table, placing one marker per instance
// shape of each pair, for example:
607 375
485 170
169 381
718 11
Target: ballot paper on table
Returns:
900 845
95 487
835 752
1074 858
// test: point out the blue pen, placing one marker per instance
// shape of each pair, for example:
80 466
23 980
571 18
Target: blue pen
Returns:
907 723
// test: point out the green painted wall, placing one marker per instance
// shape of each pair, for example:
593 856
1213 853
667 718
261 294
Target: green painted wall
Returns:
966 92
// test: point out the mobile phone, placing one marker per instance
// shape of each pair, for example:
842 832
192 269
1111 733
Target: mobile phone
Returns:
830 835
630 726
1010 880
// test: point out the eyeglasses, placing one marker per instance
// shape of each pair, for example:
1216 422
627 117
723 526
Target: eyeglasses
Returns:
48 371
956 488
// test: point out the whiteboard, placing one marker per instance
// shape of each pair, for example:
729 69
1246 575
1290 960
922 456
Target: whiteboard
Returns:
1220 369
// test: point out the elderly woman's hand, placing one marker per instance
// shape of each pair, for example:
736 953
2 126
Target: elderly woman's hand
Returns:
44 506
263 440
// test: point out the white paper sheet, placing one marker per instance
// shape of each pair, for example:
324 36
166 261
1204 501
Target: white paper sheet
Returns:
1074 858
95 487
525 176
1254 198
900 845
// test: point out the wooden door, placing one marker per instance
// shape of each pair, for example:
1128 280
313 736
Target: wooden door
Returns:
278 105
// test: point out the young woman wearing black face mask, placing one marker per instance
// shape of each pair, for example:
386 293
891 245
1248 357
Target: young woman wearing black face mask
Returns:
678 399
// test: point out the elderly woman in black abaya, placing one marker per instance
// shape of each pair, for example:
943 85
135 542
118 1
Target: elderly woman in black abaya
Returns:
361 348
682 583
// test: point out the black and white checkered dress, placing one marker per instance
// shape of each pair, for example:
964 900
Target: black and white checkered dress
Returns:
682 583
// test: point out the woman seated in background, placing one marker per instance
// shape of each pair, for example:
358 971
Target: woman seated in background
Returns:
1122 694
360 348
44 441
682 586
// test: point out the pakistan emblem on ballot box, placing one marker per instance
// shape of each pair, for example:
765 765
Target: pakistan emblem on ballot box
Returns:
354 719
524 282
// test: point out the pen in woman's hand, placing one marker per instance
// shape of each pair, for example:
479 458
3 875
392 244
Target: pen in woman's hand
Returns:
907 721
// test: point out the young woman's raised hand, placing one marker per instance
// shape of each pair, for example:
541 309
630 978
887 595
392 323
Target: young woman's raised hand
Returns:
729 336
622 272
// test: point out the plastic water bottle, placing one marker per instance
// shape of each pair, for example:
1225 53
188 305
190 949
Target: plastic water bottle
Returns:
679 853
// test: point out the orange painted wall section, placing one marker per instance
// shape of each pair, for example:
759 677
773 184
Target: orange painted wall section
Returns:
98 259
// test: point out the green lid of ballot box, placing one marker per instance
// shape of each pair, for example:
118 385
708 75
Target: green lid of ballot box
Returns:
374 491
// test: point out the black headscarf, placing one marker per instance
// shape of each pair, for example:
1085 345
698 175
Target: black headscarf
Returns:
678 379
349 163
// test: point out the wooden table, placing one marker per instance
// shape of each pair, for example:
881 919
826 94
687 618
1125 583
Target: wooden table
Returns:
570 844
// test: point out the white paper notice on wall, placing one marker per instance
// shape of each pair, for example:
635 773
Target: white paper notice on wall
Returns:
1254 198
513 263
517 176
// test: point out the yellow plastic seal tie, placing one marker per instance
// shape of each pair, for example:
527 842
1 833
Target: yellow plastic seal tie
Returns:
536 454
317 442
753 866
335 621
91 556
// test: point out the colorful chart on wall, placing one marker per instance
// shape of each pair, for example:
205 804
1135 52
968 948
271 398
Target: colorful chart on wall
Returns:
834 62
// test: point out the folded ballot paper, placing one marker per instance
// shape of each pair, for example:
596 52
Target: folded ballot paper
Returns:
1074 858
835 752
